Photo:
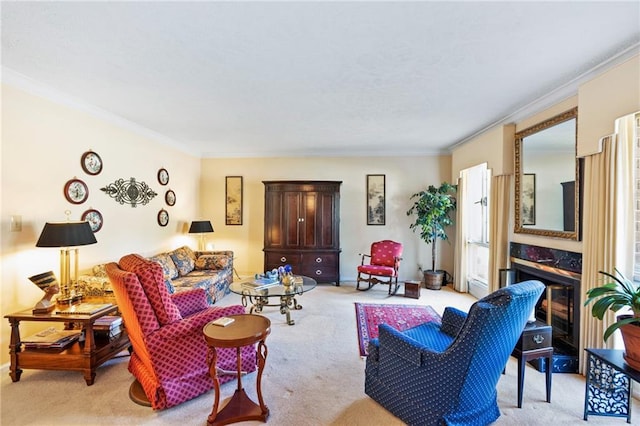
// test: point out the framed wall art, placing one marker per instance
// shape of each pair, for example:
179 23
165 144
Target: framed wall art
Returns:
163 217
91 163
163 176
376 199
529 199
170 198
76 191
233 200
94 217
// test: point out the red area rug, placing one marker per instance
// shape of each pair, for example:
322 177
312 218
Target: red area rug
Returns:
400 317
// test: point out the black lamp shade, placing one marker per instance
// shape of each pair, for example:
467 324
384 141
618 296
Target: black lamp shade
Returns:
200 226
66 234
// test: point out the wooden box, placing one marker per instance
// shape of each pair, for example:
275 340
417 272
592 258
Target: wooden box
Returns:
412 289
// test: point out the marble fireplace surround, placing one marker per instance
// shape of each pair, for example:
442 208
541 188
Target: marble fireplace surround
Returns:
560 271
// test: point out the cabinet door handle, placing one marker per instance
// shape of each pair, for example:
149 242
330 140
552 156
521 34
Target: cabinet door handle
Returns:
301 219
283 259
538 338
318 260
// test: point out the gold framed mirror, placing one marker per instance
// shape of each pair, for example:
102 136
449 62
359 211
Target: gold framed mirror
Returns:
547 184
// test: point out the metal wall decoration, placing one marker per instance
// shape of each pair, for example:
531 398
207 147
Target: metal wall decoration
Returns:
376 199
91 163
76 191
129 192
233 198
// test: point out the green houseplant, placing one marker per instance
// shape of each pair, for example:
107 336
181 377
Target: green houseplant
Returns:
620 293
432 209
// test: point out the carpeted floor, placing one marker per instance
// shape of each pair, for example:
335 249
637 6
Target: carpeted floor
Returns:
400 317
314 376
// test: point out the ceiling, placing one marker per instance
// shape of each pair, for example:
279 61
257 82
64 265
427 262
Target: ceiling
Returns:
256 79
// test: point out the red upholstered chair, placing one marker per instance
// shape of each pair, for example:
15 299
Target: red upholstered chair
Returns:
169 357
383 265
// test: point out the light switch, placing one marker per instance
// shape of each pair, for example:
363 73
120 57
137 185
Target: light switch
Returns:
16 223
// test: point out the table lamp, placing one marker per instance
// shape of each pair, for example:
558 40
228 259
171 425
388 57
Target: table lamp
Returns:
65 235
200 227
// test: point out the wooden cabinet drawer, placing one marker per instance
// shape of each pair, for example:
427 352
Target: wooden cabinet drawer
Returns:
282 258
319 259
319 273
535 336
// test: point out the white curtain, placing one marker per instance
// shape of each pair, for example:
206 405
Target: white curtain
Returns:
500 203
460 258
608 224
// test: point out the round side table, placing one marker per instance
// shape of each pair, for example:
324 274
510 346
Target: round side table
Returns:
243 331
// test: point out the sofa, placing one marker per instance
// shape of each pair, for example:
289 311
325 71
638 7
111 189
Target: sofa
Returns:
183 269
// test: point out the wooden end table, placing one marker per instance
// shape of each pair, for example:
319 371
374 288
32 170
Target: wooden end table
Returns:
84 356
245 330
534 343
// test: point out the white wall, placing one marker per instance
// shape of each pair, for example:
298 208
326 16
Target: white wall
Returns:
404 177
42 142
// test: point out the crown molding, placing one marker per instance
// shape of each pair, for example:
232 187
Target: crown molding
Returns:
557 95
36 88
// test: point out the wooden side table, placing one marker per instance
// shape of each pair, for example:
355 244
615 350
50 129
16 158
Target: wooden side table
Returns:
534 343
609 384
80 356
245 330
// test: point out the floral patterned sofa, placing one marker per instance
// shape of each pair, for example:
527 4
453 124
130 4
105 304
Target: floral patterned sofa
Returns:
183 269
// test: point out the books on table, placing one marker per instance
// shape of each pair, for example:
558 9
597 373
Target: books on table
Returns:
260 284
84 309
108 325
51 338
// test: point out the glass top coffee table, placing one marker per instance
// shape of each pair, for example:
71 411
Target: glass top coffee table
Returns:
259 297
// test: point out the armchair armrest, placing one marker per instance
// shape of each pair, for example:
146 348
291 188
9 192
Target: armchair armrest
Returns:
363 255
452 321
402 345
190 301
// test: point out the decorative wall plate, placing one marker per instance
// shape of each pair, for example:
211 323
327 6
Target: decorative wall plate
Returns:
163 217
170 197
94 217
91 163
163 176
76 191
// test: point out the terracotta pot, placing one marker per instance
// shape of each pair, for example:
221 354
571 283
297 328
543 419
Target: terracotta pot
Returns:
631 337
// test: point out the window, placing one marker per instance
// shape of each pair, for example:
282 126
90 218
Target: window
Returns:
636 270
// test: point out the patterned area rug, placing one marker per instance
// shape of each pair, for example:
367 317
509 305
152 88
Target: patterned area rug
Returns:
400 317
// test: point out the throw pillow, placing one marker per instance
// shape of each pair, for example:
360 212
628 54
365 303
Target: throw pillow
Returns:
184 259
99 270
168 267
153 283
212 262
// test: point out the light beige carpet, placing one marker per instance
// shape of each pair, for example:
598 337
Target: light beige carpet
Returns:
314 376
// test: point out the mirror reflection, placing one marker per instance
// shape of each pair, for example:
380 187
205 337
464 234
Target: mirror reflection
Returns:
547 180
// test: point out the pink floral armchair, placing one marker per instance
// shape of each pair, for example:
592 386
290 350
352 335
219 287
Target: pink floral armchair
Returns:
169 357
383 266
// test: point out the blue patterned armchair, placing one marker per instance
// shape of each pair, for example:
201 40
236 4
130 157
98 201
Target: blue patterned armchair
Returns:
435 374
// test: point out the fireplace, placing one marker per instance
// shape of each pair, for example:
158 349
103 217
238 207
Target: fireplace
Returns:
559 306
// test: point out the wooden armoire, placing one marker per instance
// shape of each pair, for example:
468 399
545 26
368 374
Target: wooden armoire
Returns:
302 228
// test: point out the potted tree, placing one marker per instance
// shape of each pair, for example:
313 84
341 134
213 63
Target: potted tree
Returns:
432 209
618 294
